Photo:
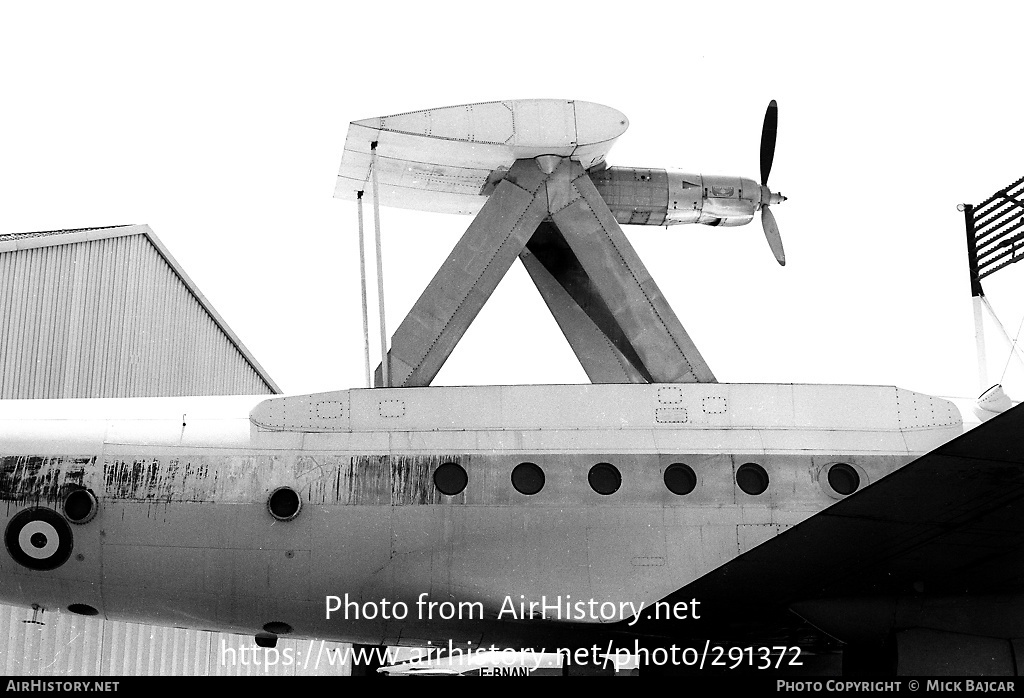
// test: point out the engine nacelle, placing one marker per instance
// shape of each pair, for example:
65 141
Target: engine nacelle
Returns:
638 196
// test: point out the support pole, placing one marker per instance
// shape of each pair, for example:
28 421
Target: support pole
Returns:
978 297
362 280
979 340
385 360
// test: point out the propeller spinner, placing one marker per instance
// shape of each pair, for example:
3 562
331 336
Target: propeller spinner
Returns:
771 228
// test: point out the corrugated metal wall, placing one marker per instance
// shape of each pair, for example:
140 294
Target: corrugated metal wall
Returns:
69 645
111 317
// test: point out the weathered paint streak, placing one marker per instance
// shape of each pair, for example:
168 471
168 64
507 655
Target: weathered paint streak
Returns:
377 480
412 480
322 479
36 479
196 478
347 480
152 479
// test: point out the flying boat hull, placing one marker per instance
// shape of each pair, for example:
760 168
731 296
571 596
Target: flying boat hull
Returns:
184 532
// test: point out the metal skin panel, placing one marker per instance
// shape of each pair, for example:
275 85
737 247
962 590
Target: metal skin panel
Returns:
729 201
305 412
448 159
635 196
638 196
710 407
374 526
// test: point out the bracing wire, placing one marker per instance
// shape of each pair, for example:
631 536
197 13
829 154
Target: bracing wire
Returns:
1013 345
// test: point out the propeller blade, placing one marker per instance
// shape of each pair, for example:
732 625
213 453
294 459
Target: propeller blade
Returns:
771 233
768 131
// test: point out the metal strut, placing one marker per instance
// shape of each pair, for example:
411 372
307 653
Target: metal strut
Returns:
362 285
547 212
385 359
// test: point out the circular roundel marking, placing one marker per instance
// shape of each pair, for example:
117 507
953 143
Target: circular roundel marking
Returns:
80 507
450 478
39 539
752 478
83 609
843 478
680 478
604 478
284 504
528 478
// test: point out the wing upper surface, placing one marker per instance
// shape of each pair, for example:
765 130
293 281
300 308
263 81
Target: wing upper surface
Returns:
448 159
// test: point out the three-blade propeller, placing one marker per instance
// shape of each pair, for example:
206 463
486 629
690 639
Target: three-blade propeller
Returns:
771 228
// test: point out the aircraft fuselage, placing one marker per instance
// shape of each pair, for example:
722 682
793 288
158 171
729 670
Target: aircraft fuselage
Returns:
183 533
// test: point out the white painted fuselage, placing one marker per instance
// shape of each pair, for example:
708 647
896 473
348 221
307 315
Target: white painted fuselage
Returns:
183 535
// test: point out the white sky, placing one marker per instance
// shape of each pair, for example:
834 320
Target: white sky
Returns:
221 125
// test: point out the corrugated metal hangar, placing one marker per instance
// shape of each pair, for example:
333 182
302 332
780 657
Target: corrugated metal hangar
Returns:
108 312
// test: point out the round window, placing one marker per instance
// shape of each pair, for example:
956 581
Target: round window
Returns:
843 479
450 478
284 504
80 506
752 478
680 478
604 478
528 478
83 609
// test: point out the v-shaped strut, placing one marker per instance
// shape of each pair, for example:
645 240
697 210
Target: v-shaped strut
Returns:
547 212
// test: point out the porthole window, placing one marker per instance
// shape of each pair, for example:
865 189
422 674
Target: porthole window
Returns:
843 479
604 478
752 478
680 478
450 478
284 503
277 628
80 507
528 478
